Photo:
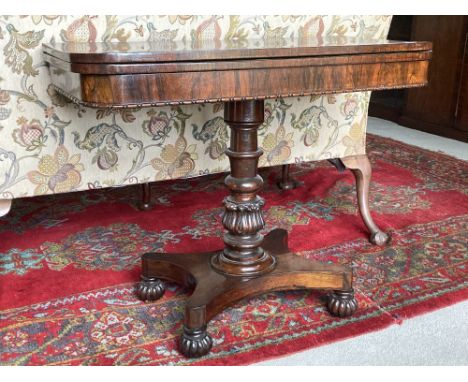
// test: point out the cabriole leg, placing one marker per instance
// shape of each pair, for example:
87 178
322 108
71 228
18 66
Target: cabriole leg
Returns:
361 168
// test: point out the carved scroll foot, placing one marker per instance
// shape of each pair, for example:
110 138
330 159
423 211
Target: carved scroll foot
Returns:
145 203
195 343
286 182
342 303
361 168
150 289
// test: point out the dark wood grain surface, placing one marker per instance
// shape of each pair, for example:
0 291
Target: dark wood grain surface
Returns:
146 74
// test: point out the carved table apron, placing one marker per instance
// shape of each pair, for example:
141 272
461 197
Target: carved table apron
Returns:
242 75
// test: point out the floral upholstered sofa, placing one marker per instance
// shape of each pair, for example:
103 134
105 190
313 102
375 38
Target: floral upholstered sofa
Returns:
49 145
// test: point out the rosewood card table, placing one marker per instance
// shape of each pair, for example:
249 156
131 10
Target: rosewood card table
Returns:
242 75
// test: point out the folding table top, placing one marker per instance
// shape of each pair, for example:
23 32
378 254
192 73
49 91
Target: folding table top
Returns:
173 51
133 74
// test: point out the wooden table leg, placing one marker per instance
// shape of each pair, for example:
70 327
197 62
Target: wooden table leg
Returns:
286 182
248 265
145 203
362 170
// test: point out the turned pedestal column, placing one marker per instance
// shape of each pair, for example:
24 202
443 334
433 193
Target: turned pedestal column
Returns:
249 264
243 254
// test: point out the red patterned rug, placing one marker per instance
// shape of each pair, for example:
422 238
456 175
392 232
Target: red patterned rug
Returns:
68 263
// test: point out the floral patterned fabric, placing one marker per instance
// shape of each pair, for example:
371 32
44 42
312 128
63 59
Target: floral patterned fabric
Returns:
49 145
